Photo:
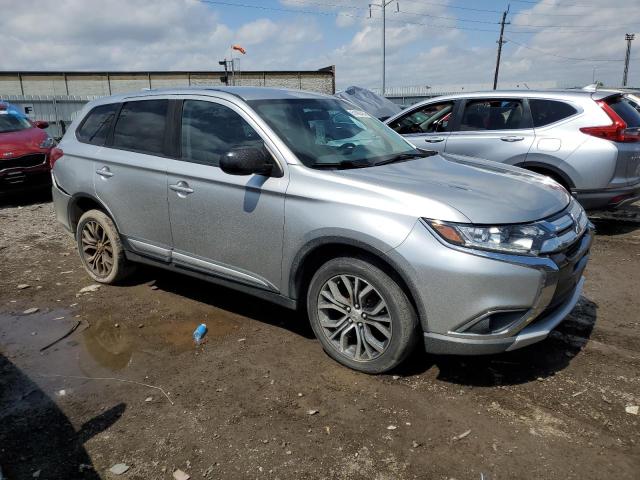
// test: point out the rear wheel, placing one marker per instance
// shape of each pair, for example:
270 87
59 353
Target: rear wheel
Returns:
100 248
362 317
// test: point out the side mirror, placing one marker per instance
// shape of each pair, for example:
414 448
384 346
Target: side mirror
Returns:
247 161
41 124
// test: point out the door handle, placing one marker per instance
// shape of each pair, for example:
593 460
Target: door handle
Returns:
104 172
512 138
182 188
434 139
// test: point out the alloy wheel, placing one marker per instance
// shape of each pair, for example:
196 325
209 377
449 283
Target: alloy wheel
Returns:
354 317
97 250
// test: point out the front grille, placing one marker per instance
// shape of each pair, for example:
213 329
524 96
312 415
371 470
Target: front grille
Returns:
571 263
23 162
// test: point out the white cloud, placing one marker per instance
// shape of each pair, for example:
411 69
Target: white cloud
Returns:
256 32
141 35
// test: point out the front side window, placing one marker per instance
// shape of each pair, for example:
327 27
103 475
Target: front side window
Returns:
433 118
141 126
95 127
493 114
210 130
328 133
545 112
13 121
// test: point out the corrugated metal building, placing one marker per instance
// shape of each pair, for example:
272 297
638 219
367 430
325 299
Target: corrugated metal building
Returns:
57 97
107 83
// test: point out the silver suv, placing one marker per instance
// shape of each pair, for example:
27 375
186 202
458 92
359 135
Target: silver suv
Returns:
302 199
589 142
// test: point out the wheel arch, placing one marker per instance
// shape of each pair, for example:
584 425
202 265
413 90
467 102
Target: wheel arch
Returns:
550 170
83 202
319 251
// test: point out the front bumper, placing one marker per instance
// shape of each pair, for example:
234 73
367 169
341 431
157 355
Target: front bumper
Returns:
536 331
456 289
24 173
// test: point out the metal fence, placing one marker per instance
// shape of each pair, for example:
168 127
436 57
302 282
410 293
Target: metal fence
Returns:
59 111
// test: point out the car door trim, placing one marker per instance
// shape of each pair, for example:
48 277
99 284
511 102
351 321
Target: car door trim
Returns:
190 261
145 248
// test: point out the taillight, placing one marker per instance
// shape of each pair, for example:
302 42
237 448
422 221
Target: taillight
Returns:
617 131
55 155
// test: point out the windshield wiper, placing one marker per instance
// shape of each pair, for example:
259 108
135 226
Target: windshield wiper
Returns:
343 164
403 157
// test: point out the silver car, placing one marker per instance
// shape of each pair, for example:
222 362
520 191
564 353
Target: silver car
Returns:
589 142
303 200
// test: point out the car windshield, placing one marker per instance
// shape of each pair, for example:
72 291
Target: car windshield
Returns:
11 121
327 133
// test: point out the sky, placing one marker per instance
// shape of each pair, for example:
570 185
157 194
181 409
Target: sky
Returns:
429 42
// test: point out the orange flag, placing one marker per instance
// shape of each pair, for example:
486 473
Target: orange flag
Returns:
239 48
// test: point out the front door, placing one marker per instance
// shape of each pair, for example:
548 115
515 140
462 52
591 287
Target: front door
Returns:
427 126
226 225
494 129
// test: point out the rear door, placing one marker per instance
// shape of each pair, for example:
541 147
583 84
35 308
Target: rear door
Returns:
130 176
498 129
426 126
627 107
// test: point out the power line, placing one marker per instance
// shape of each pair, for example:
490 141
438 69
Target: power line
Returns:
467 20
562 56
555 4
335 14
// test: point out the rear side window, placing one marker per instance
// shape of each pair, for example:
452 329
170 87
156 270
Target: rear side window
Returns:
96 125
141 126
431 118
494 114
210 130
545 112
626 110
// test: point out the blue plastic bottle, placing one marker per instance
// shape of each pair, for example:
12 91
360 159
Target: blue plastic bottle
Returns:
199 333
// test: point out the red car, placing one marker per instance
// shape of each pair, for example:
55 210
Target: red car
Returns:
24 151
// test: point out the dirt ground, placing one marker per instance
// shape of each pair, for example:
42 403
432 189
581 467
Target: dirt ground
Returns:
260 399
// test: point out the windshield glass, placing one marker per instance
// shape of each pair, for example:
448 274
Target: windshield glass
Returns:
11 121
326 133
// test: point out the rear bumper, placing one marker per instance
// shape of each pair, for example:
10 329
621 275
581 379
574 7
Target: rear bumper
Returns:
61 202
536 331
609 199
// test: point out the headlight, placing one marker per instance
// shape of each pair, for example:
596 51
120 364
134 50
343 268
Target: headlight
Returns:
520 239
47 143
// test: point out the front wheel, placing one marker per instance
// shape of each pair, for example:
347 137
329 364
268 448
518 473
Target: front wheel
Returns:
362 317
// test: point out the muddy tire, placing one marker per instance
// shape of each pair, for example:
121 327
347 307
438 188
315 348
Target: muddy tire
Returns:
100 248
361 315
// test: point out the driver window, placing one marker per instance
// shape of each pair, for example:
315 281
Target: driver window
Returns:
210 130
432 118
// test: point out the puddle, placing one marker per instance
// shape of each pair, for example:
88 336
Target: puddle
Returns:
98 346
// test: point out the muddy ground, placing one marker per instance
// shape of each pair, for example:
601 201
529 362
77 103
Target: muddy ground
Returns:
238 406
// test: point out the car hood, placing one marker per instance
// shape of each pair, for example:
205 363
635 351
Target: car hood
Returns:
21 142
484 192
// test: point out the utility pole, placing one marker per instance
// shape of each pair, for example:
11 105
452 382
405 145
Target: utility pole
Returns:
500 43
383 5
629 37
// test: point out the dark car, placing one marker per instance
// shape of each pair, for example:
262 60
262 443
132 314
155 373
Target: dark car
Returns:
24 151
